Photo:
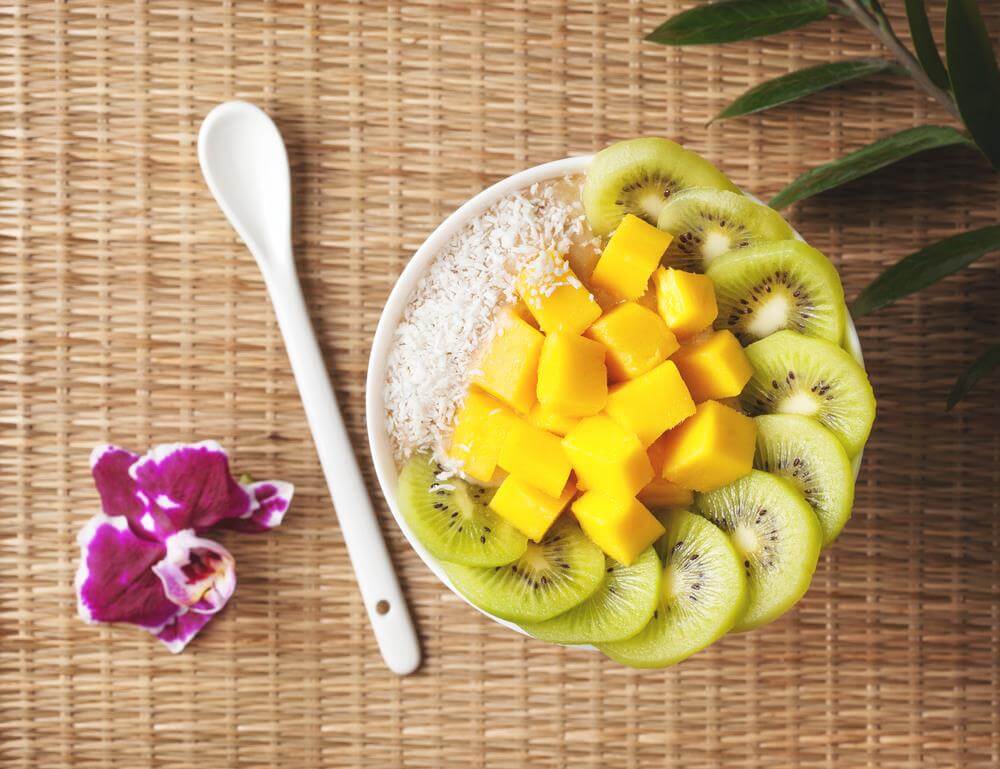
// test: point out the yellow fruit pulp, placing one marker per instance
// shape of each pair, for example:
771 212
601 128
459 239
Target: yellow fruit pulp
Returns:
710 449
632 253
714 366
651 404
685 301
509 368
555 296
636 339
606 457
526 508
621 526
481 426
536 456
572 379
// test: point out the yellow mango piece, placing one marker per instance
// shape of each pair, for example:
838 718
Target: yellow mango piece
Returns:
540 416
651 404
621 526
632 253
686 301
572 379
711 449
636 339
714 366
606 457
520 310
509 368
481 426
526 508
536 456
660 492
555 296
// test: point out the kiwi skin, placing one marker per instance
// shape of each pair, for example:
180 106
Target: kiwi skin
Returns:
707 223
808 455
754 511
652 167
455 524
786 363
553 576
751 284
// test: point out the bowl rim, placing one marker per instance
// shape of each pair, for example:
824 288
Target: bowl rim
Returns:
379 442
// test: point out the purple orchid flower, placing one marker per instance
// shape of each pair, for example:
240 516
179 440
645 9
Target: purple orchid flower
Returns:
143 560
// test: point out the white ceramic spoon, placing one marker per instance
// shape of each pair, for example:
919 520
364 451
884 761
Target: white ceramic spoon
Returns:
245 165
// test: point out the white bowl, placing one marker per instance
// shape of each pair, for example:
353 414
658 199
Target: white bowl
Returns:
378 436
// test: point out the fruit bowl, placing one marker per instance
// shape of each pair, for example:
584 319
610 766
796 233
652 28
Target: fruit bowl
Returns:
378 436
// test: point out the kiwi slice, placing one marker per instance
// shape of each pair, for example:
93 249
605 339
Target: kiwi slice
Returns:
551 577
796 374
618 609
776 535
703 595
637 176
810 456
771 286
451 519
708 223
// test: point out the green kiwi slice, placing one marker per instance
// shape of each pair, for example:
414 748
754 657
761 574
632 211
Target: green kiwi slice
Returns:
808 455
618 609
772 286
776 535
708 223
451 518
638 176
551 577
796 374
703 595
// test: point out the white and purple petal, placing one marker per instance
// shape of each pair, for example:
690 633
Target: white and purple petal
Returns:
196 573
185 626
187 486
114 581
269 503
110 467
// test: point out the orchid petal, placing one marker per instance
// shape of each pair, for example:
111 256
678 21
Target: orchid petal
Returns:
109 465
187 486
185 626
196 573
269 503
114 582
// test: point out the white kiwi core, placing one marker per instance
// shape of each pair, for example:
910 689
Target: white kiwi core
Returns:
799 403
716 244
771 316
746 540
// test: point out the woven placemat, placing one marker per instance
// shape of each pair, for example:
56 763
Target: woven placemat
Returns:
130 312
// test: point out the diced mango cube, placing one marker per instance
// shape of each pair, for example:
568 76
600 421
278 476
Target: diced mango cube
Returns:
636 339
572 379
714 366
555 296
481 426
651 404
536 457
509 368
621 526
660 492
526 508
632 253
554 422
520 310
606 457
686 301
711 449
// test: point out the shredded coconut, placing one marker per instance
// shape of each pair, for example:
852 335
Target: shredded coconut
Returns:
450 315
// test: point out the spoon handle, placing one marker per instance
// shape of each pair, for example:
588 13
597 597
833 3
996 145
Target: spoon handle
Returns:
383 599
